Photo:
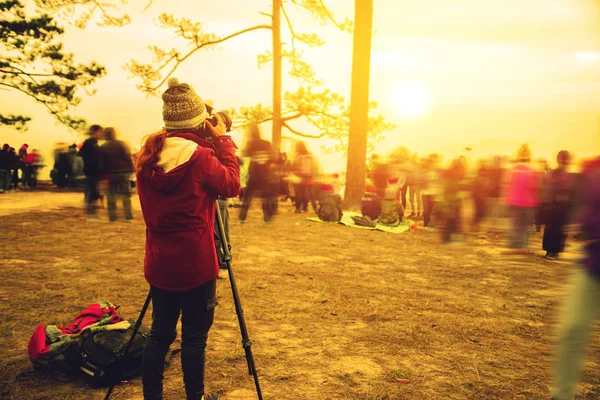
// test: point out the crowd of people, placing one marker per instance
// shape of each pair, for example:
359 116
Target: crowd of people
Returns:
271 176
19 170
94 164
529 194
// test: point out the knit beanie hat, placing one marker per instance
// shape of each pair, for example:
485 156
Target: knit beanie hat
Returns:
182 107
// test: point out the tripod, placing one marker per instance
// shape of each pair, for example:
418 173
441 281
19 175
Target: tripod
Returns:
246 342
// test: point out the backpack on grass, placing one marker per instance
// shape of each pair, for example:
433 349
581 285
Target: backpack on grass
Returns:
392 212
91 348
101 358
330 204
329 210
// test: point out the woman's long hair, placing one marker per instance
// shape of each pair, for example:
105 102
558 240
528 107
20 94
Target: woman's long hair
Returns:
150 151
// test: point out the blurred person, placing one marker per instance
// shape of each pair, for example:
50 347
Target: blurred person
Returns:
260 170
522 198
78 179
23 166
452 200
62 167
479 192
71 172
15 165
399 168
561 195
116 162
582 303
495 201
414 186
33 163
180 175
379 174
432 189
304 168
91 169
541 211
5 165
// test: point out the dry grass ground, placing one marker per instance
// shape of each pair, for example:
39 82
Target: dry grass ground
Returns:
335 312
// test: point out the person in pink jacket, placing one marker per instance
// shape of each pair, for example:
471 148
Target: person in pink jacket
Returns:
523 198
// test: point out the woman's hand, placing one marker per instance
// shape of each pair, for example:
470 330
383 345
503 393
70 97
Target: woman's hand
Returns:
219 130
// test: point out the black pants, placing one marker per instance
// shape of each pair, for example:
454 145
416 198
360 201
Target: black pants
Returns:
428 204
249 193
197 307
302 196
91 193
554 232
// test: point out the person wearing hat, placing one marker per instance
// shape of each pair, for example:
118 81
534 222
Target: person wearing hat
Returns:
180 174
523 198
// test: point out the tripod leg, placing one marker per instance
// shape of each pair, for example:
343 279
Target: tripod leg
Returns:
136 327
246 342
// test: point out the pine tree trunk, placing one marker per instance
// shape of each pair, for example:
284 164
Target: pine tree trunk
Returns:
277 122
359 104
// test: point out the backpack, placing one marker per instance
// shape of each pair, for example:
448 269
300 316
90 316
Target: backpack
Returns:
391 212
371 206
90 348
329 210
101 355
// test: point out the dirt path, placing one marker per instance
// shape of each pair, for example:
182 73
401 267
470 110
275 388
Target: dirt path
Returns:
335 312
26 201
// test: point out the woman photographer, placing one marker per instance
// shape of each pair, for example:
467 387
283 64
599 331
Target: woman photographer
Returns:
180 173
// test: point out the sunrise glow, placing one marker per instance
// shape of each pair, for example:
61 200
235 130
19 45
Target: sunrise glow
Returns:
411 99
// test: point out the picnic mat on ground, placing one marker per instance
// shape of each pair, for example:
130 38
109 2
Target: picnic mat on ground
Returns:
404 226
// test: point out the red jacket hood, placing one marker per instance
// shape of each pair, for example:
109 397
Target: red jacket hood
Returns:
178 154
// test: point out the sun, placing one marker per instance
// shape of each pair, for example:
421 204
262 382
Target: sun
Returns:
411 99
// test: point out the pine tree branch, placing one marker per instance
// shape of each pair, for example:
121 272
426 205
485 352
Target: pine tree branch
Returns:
44 102
295 132
293 32
331 17
198 47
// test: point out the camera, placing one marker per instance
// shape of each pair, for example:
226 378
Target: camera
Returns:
224 117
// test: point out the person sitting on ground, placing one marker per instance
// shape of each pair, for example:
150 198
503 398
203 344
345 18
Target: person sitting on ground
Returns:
179 178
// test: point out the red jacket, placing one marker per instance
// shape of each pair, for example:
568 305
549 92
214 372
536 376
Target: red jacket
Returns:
178 202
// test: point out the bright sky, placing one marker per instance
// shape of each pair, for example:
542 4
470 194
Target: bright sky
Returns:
450 74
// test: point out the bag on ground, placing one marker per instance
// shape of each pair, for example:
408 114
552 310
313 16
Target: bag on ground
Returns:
329 208
392 212
90 348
